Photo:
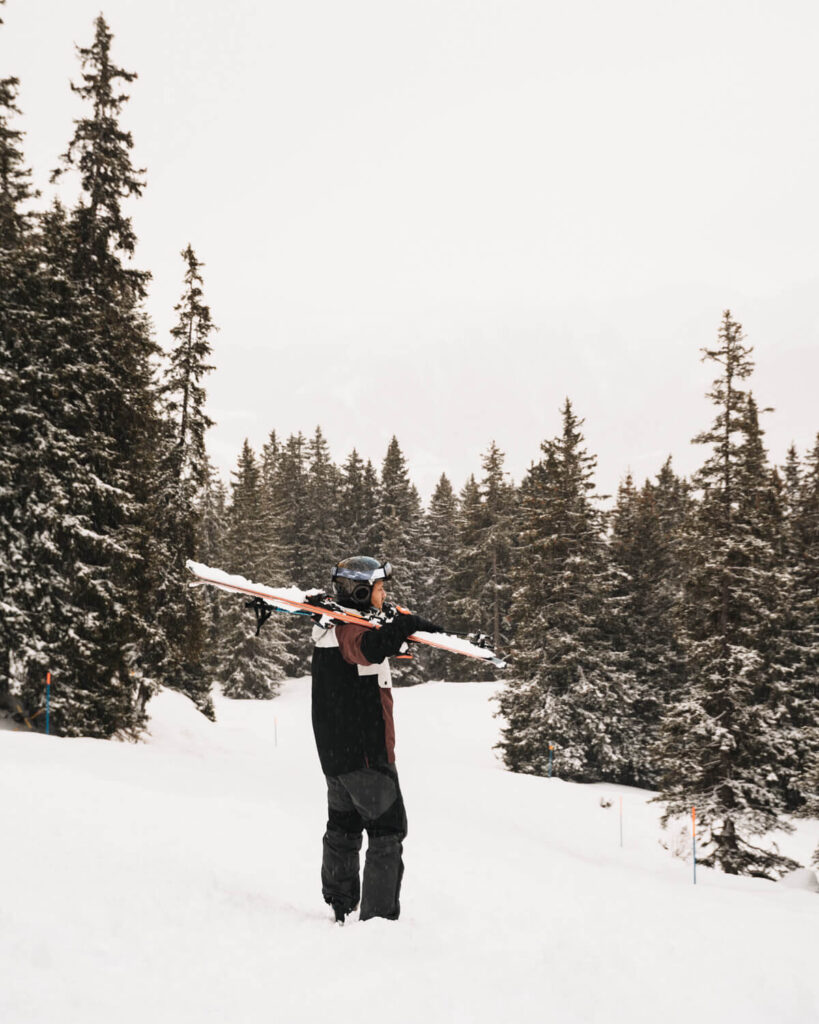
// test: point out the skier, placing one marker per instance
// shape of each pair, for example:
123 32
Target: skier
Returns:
355 737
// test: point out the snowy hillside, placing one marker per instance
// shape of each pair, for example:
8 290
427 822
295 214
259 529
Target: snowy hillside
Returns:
178 881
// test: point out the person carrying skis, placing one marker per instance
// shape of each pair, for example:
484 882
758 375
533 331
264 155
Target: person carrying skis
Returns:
355 737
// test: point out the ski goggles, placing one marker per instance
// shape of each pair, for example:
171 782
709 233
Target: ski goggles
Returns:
383 572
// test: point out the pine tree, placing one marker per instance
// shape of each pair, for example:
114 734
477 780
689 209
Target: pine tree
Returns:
646 546
720 745
571 685
289 498
370 503
84 505
495 543
100 150
272 564
319 513
174 527
270 461
211 502
251 665
802 553
356 512
482 566
465 612
397 538
15 177
18 270
288 502
187 365
69 513
398 524
439 549
70 506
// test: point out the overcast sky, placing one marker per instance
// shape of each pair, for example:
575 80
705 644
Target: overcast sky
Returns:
438 218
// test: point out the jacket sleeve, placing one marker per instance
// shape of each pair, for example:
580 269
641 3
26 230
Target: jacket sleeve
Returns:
387 641
362 646
349 639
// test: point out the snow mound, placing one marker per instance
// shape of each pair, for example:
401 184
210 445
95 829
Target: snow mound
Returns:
801 878
177 725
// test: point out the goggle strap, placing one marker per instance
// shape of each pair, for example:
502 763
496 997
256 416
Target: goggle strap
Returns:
383 572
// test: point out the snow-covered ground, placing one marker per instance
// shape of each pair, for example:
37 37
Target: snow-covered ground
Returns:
177 881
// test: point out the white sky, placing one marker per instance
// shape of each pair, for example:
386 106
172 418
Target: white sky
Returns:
439 218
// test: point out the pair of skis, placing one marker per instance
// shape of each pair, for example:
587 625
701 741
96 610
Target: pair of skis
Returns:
315 602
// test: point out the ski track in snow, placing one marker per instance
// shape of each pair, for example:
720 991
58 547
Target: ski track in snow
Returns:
178 880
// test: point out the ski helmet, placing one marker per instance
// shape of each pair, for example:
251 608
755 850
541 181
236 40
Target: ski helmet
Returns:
354 577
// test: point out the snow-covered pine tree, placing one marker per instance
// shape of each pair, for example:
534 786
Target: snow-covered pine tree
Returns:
89 383
212 502
792 478
646 546
482 567
465 612
288 528
64 502
783 632
15 176
180 612
320 512
251 666
440 545
18 269
397 538
370 488
288 499
356 510
806 527
270 461
802 552
272 567
187 365
720 745
571 686
494 590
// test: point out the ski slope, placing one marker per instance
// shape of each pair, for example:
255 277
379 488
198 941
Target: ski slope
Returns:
178 880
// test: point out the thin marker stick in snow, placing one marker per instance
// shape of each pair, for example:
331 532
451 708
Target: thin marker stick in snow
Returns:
551 750
621 821
48 702
694 839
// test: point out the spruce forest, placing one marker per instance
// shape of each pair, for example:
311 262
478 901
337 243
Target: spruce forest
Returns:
668 640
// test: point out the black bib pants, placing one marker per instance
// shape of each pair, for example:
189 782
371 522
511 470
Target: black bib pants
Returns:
367 799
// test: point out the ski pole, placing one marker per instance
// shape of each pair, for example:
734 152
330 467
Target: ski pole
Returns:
694 839
551 753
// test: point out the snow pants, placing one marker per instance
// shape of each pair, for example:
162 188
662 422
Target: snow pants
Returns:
370 799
